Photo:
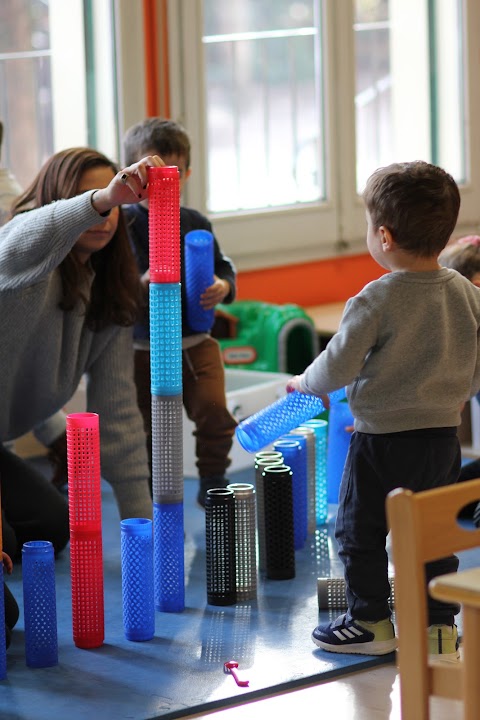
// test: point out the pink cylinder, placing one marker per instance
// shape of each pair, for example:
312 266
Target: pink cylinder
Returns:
164 224
85 513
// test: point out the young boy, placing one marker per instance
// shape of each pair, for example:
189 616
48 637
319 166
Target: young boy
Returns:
203 372
407 350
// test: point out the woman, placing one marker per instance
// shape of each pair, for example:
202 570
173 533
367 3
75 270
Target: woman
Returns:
68 299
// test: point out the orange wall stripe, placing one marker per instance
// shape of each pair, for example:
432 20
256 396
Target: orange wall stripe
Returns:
164 109
150 56
313 283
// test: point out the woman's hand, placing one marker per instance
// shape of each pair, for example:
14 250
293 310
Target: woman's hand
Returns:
127 187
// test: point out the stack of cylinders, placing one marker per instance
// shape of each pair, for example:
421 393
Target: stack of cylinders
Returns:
85 514
309 435
263 458
294 451
220 546
278 511
137 579
339 418
166 388
245 541
39 604
199 267
320 428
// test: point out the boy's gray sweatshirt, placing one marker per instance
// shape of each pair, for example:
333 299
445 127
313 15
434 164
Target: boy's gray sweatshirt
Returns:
407 350
44 351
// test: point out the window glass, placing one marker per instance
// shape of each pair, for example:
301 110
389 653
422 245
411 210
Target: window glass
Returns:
264 103
409 74
25 86
57 81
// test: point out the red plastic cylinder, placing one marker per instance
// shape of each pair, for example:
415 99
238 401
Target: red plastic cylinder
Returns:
85 513
164 224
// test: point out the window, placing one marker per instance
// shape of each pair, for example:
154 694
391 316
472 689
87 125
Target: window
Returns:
57 85
291 105
263 92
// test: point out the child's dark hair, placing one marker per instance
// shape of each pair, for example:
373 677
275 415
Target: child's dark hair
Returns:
115 290
463 256
166 137
417 202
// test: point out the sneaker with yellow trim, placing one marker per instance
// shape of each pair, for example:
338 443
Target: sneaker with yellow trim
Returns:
443 643
359 637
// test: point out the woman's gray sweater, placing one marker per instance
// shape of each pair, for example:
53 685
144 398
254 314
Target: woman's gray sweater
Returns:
408 351
44 351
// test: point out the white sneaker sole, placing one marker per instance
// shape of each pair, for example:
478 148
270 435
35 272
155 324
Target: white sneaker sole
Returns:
378 647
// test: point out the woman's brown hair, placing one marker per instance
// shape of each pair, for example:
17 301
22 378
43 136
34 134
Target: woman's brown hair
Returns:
115 291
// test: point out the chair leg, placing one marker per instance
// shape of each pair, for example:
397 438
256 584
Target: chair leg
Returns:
471 662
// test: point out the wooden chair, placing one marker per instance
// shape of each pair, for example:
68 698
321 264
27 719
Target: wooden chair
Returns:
424 527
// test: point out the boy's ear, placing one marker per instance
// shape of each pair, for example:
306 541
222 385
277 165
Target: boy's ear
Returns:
386 237
188 173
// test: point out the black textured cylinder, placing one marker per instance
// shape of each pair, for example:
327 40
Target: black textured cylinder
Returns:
220 546
278 511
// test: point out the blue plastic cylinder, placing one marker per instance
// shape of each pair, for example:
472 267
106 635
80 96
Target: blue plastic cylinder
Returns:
339 418
199 266
294 451
39 604
285 414
137 579
168 557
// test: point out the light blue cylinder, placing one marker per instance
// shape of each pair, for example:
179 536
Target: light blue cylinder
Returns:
165 339
320 428
137 579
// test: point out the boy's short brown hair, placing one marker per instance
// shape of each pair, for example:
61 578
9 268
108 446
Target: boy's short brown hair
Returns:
418 202
166 137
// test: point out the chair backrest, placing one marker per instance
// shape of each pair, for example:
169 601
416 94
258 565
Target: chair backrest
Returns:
424 527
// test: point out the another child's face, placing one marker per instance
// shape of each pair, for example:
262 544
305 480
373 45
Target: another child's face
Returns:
476 279
177 160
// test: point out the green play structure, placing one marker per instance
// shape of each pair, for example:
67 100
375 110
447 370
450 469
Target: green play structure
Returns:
266 337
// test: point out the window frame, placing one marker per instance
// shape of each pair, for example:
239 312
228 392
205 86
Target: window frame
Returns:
311 231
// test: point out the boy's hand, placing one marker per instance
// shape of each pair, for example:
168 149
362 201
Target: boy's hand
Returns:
214 294
294 384
7 562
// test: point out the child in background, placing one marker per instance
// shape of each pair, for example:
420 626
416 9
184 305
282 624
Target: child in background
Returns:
407 350
463 255
203 372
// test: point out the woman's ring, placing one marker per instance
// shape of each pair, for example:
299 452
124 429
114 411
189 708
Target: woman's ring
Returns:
124 178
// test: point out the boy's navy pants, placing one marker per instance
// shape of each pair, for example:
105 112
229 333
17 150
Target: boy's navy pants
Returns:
375 465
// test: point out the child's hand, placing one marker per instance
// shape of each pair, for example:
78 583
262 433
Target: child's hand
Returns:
294 384
145 278
214 294
7 562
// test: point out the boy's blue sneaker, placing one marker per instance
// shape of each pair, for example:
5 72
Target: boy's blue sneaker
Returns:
356 636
